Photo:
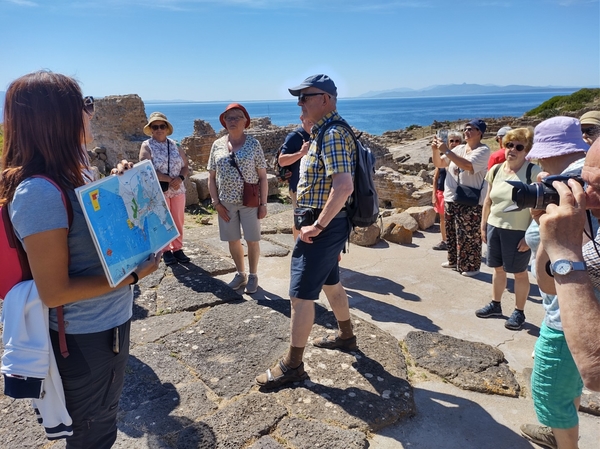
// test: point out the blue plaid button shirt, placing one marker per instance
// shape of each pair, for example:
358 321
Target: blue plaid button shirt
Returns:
337 155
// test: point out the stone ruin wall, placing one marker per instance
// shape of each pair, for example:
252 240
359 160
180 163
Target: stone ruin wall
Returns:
118 133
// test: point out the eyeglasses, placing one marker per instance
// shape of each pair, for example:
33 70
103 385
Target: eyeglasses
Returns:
589 130
454 141
157 127
302 97
234 118
232 160
88 105
468 130
517 147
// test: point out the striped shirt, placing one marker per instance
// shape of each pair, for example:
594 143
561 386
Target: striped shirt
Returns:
337 155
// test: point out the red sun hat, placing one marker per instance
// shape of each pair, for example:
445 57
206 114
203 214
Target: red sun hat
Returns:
234 106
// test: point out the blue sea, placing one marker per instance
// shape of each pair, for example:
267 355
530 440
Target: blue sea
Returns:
373 115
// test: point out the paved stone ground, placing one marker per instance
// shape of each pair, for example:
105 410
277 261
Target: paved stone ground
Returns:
197 346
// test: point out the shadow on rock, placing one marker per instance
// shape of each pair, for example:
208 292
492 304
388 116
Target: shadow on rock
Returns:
376 284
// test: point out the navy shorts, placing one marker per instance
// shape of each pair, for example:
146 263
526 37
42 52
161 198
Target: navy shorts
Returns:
502 250
316 264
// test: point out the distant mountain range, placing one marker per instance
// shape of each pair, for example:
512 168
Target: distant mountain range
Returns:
450 90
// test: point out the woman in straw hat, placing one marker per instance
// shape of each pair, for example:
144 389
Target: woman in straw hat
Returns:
171 167
234 159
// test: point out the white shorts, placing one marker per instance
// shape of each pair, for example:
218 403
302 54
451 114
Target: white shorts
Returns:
247 217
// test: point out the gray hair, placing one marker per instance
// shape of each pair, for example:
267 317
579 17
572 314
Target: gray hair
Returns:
455 134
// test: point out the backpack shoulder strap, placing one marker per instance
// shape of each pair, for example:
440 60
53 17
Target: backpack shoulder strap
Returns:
496 168
528 175
331 124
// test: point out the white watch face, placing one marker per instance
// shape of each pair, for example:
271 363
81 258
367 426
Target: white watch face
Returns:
562 267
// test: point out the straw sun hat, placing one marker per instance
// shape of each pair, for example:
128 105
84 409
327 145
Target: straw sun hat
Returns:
157 117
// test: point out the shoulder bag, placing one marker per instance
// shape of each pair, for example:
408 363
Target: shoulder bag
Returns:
251 196
465 195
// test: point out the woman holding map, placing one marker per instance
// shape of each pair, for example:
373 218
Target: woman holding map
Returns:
237 160
171 167
46 120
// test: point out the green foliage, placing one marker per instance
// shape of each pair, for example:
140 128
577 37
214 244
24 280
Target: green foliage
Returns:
411 127
565 103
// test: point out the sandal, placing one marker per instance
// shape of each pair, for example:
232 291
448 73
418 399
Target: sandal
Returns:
289 375
348 344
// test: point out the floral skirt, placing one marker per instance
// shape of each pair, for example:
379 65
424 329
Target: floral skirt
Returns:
463 236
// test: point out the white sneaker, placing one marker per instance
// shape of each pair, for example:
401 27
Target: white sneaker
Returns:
252 284
448 265
238 281
470 273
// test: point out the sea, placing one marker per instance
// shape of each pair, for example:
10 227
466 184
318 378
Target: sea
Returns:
372 115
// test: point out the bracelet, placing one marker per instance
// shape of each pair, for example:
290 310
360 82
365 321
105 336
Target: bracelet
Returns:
215 203
182 177
135 278
317 225
447 152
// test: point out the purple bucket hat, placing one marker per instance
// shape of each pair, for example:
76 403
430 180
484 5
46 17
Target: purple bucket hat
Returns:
557 136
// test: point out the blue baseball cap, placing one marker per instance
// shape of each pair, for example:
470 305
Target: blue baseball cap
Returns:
322 82
479 124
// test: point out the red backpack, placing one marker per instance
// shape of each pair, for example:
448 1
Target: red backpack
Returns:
14 265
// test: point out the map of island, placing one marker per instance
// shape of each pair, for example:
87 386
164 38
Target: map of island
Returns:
128 218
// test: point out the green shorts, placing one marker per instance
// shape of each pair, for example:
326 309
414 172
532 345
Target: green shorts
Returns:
555 381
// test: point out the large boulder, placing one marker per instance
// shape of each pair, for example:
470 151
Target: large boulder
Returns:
200 181
425 216
368 236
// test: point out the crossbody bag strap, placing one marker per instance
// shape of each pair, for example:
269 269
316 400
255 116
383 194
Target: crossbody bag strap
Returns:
235 164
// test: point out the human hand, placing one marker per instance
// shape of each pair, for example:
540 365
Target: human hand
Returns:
150 265
561 227
121 167
483 230
223 212
175 183
262 212
308 232
522 246
304 149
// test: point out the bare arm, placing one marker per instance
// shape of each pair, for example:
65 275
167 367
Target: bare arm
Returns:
561 230
487 206
342 187
48 255
214 195
264 192
438 147
288 159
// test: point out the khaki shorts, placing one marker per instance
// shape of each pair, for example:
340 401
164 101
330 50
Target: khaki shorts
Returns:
247 217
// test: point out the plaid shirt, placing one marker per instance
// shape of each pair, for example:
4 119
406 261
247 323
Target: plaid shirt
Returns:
337 155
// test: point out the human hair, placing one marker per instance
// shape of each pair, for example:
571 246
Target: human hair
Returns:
455 134
524 135
43 132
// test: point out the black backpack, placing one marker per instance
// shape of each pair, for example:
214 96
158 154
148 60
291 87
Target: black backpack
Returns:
363 203
283 174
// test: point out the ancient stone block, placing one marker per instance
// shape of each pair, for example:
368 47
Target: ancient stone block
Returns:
368 236
425 216
200 180
401 219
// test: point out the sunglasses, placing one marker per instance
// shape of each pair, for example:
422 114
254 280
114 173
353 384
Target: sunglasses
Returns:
589 131
234 118
157 127
468 130
88 105
517 147
454 140
302 97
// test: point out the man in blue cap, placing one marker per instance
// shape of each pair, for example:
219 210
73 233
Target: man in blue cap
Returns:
326 182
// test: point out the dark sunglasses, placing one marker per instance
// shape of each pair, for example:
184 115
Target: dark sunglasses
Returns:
468 130
517 147
88 105
454 140
232 160
302 97
589 131
157 127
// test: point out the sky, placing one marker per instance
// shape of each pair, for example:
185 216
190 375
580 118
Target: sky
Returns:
239 50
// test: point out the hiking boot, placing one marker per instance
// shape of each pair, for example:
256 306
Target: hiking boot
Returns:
515 321
238 281
169 258
470 273
442 246
348 344
252 284
180 256
541 435
289 375
448 265
492 309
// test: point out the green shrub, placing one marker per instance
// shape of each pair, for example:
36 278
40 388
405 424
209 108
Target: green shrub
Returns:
565 103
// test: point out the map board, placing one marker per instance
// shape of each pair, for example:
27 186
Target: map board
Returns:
128 218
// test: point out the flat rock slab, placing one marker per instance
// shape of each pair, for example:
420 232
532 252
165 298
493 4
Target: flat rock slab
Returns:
468 365
267 248
306 434
590 403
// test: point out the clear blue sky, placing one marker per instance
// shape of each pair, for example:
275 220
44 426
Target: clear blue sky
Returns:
207 50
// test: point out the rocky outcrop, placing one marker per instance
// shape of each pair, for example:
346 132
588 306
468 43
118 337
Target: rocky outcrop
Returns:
117 127
396 190
197 146
466 364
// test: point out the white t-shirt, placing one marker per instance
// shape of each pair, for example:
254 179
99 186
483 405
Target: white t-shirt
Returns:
479 158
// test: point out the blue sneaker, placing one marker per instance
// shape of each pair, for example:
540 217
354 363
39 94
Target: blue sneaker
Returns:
515 321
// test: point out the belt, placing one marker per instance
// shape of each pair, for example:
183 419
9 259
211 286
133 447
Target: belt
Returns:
341 214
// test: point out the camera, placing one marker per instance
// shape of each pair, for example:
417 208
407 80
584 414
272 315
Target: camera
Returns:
538 194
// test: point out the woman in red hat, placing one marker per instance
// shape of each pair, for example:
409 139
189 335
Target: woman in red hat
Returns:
236 159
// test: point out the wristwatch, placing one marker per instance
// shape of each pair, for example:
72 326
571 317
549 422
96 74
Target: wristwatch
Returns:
318 225
564 266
